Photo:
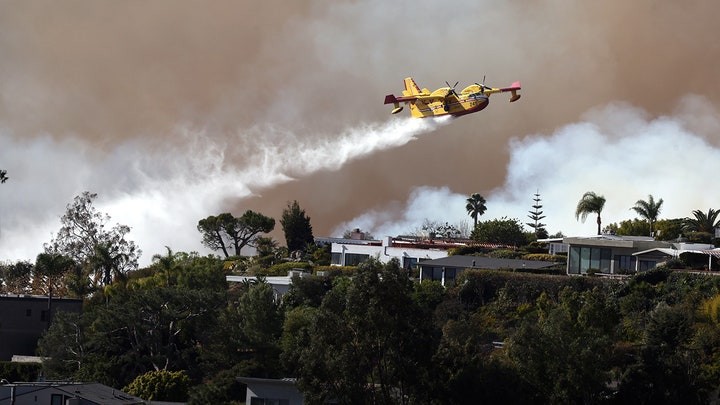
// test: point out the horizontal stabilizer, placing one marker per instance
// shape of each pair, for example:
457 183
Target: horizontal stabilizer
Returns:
390 99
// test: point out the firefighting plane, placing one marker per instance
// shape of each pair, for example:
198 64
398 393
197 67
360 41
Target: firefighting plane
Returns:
445 100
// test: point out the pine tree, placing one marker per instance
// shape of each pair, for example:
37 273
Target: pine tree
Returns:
536 215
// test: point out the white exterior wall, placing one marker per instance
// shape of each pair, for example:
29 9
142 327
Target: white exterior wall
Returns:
385 253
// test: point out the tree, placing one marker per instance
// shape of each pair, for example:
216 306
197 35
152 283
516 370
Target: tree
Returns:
475 207
48 273
3 176
84 238
224 231
649 210
368 342
160 385
297 228
536 215
703 222
166 263
15 278
565 353
590 203
634 227
501 231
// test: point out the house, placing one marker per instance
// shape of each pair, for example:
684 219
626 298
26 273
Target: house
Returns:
268 391
280 284
614 254
408 250
64 393
447 269
665 254
23 319
611 254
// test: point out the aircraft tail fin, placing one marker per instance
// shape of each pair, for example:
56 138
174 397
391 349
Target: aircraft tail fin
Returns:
411 88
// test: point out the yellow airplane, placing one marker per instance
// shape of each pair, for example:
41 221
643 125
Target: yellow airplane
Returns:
445 101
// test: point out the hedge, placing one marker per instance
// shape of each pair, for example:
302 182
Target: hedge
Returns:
14 371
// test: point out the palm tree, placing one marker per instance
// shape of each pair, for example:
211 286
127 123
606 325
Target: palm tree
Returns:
590 203
703 222
475 207
166 263
107 262
648 210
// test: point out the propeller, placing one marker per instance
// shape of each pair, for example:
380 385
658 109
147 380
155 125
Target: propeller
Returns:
482 86
452 88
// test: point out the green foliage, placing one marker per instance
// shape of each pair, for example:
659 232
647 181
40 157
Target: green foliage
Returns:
160 385
297 228
475 206
225 231
369 334
500 231
307 291
506 254
544 257
16 278
566 352
334 271
16 371
590 203
282 269
355 348
475 288
669 229
222 389
469 250
634 227
106 254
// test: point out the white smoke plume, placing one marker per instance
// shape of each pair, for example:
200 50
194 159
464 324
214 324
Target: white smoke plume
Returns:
175 110
156 193
617 151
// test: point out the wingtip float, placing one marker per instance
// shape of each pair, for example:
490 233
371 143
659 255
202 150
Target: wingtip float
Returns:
445 100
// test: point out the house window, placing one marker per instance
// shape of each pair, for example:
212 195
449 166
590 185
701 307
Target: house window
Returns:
644 265
336 258
624 263
353 259
432 273
56 399
409 262
584 258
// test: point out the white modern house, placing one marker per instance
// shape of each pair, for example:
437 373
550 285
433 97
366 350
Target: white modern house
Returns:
615 254
409 251
280 284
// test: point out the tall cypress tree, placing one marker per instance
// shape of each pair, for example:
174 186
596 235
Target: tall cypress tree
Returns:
297 228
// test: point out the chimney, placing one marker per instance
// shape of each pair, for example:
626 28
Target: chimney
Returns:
356 234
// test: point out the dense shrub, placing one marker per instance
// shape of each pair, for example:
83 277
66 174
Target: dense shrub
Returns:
161 385
506 254
334 271
14 371
282 269
544 257
479 287
470 250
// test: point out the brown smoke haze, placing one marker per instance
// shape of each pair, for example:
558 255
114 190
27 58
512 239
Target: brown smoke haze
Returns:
175 110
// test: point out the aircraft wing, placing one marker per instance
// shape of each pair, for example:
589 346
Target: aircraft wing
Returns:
391 99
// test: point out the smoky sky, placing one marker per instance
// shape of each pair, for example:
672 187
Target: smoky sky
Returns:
175 110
